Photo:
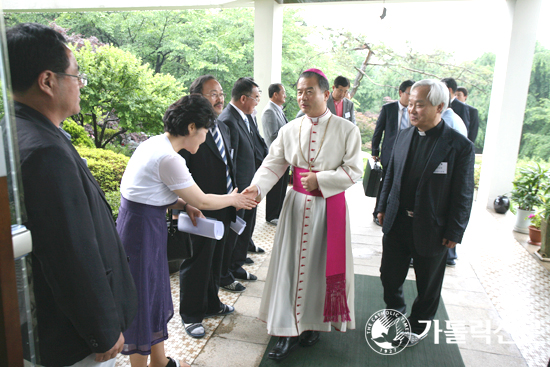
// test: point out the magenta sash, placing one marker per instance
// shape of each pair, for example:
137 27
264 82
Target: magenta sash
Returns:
336 304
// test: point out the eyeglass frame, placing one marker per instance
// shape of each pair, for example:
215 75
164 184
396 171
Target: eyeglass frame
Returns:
82 78
221 95
257 99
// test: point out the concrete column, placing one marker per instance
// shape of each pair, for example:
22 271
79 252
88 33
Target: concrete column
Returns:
268 47
508 99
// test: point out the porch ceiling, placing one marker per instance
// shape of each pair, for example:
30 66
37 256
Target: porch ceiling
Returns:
122 5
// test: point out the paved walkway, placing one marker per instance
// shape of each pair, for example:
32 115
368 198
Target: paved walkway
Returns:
498 294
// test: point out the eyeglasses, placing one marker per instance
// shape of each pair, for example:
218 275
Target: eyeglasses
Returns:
215 95
82 78
257 99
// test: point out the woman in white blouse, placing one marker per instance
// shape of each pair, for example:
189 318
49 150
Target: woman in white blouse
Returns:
155 179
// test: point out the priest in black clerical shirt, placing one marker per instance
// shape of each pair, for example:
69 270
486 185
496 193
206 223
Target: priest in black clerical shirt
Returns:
424 205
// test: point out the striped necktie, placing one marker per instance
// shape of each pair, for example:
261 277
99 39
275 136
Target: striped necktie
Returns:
219 143
405 119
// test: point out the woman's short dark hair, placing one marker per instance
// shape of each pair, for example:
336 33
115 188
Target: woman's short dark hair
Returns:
193 108
33 48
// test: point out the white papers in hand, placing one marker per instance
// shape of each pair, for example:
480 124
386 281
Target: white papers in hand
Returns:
238 225
206 227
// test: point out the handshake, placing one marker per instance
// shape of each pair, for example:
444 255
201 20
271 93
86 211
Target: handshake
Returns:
248 199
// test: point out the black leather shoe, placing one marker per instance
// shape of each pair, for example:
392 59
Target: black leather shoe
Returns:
284 346
309 338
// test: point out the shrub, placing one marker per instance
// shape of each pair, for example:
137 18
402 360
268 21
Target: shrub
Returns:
113 198
79 136
124 150
106 166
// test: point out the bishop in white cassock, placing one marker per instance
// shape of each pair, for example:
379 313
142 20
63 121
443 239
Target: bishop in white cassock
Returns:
295 295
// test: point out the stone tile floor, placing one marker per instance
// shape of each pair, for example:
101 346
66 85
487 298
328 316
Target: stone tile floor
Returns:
498 295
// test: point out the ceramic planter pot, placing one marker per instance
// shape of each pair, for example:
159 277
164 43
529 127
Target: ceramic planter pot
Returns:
535 236
522 221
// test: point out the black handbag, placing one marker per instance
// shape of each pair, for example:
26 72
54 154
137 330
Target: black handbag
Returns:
372 178
179 243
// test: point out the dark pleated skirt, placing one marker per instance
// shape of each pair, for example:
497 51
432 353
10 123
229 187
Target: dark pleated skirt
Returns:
142 229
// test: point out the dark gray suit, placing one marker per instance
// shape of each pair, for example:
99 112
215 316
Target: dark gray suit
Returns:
200 275
85 295
441 210
244 161
474 124
273 119
388 125
462 110
348 111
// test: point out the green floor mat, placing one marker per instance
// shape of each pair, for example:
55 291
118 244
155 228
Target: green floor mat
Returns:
350 349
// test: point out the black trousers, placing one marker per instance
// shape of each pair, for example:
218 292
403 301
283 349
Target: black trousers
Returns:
200 278
375 212
274 198
233 264
398 249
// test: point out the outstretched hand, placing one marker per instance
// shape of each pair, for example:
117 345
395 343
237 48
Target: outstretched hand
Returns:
309 181
193 213
241 201
251 192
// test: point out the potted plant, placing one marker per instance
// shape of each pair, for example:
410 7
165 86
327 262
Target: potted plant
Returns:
544 251
525 194
534 229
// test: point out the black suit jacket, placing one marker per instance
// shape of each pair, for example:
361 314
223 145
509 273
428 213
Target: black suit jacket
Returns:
387 124
443 201
208 170
474 123
85 295
260 147
462 110
242 142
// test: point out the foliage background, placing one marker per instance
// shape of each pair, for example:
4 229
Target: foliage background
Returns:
178 46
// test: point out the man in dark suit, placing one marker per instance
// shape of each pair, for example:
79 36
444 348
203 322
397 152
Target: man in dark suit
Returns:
462 96
393 117
245 96
460 108
337 102
260 152
84 292
212 170
425 204
273 119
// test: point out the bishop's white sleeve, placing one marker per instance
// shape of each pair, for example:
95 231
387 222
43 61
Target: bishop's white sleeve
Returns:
272 168
333 182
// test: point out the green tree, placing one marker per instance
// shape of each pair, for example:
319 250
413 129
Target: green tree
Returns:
122 95
79 136
186 43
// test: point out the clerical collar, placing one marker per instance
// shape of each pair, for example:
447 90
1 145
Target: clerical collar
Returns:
316 120
433 131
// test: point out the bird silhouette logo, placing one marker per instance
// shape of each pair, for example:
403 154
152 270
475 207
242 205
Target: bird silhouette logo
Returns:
387 332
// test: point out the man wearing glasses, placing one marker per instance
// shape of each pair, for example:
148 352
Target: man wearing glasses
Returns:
245 96
213 171
84 292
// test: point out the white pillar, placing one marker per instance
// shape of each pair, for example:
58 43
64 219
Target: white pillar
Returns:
268 47
508 99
